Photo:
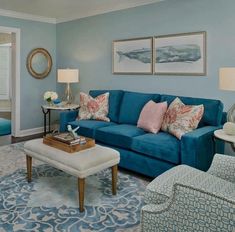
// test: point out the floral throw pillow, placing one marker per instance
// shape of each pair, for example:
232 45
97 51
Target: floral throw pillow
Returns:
180 118
94 108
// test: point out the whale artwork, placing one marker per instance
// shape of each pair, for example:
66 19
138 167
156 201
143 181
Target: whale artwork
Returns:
143 55
167 54
133 56
180 54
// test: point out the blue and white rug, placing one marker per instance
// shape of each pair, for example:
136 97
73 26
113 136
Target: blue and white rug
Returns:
50 201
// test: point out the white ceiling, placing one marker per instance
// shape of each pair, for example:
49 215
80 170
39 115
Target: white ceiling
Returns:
65 10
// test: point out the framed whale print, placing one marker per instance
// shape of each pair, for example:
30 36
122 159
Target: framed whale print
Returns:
180 54
133 56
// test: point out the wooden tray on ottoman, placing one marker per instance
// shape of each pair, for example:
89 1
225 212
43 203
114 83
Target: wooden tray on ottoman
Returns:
50 141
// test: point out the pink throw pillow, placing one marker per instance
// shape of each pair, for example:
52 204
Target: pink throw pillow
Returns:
94 108
181 119
151 116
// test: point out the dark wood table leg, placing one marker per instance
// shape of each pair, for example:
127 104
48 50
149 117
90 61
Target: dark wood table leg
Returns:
45 112
29 167
81 189
114 179
49 120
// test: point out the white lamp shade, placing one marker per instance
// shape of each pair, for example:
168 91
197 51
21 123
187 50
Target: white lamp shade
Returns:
68 75
227 79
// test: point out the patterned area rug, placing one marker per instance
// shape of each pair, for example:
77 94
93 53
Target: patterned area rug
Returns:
50 201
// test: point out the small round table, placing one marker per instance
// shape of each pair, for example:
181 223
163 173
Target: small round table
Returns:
46 109
220 134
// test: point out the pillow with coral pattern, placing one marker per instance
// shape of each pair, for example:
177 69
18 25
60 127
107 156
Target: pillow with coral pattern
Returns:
94 108
181 119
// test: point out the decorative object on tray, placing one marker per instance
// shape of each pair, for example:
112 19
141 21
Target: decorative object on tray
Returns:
180 54
133 56
72 132
94 108
227 82
67 143
180 118
50 96
39 63
68 76
229 128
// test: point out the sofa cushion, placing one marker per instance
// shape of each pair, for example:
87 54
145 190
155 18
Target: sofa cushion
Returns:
94 108
118 135
132 104
213 109
181 119
115 97
151 116
88 127
161 146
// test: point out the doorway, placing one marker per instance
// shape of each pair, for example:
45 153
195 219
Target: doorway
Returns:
9 81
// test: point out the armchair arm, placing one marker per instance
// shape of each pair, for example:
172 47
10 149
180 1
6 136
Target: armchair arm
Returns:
198 147
223 166
190 209
66 117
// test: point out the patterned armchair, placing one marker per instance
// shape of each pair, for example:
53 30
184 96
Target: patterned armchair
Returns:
187 199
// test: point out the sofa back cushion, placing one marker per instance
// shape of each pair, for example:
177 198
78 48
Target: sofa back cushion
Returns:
213 109
132 104
115 97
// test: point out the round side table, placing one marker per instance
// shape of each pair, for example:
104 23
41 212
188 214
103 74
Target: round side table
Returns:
46 109
220 134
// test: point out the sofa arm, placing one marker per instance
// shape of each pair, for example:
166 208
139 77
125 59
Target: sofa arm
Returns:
189 209
223 166
198 147
65 117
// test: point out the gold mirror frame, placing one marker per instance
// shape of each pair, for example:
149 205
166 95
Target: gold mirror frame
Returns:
29 63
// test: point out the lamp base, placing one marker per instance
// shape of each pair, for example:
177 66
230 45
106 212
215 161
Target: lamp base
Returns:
68 96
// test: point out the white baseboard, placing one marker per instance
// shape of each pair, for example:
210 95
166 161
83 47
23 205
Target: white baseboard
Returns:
32 131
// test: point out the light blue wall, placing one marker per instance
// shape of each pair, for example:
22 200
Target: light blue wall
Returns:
86 44
33 35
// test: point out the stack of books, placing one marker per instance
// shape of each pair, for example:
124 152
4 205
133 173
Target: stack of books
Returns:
68 139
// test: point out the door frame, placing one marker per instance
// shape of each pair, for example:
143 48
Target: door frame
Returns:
15 100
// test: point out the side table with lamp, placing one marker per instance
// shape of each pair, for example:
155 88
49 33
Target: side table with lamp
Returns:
227 82
63 76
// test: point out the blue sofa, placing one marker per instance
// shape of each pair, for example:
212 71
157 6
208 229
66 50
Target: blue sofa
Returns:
147 153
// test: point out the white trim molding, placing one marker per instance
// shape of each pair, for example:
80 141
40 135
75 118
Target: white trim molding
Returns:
19 15
32 131
37 130
76 15
15 108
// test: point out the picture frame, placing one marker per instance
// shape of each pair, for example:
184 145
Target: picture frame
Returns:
180 54
132 56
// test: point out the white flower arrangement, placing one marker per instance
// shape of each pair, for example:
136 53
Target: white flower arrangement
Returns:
50 96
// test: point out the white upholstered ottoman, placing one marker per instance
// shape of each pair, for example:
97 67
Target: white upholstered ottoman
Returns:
80 164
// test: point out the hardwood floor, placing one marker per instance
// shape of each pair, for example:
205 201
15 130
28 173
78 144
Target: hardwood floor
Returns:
8 139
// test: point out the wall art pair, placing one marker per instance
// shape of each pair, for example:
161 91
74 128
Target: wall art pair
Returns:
176 54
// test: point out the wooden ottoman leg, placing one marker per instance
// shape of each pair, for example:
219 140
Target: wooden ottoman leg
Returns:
29 167
81 189
114 179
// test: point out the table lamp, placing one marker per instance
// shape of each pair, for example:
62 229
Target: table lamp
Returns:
227 82
68 76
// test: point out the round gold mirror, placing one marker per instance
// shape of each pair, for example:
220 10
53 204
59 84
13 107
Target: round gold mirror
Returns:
39 63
